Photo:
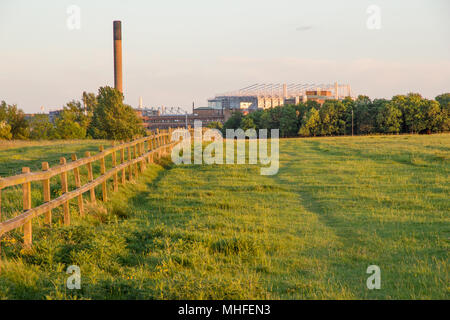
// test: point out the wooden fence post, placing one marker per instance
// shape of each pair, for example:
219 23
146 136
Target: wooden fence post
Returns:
161 143
130 171
149 146
90 177
137 155
102 172
122 160
27 229
167 141
155 148
76 173
169 137
157 143
141 152
65 189
114 164
144 151
136 164
46 189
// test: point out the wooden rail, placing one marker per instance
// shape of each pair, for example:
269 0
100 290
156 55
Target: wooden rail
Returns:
143 150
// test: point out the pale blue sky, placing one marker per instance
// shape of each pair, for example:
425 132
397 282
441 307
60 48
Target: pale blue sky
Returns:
176 52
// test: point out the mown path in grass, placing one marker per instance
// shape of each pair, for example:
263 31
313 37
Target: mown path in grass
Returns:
385 202
336 206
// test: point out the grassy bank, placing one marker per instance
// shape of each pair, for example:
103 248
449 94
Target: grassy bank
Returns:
336 206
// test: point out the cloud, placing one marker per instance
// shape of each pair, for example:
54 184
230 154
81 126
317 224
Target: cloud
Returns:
303 28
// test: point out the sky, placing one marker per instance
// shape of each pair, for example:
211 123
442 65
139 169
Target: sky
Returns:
176 52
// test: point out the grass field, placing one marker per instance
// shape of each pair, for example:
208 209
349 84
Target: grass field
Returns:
17 154
336 206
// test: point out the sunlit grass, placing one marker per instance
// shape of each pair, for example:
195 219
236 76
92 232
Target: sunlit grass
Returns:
336 206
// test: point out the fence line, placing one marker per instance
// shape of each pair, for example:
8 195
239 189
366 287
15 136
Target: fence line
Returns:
139 155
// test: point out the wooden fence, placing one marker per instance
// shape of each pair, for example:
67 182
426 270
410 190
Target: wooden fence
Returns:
139 153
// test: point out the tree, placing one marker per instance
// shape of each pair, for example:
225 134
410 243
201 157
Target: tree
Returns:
215 125
247 123
332 116
72 123
13 124
410 106
364 115
66 128
349 105
112 119
389 118
288 121
312 104
5 131
41 128
300 111
15 118
275 117
256 117
5 128
234 122
311 124
432 116
444 102
74 111
91 102
265 120
3 111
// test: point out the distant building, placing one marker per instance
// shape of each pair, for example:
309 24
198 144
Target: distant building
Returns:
145 115
320 96
264 96
156 120
52 115
246 100
29 116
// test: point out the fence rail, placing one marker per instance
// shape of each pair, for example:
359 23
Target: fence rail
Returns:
139 153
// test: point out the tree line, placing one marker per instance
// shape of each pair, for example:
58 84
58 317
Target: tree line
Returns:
102 116
105 116
409 113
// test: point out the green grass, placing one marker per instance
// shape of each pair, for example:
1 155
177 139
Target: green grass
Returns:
17 154
336 206
14 155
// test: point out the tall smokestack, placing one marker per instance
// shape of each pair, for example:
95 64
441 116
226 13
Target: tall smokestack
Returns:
118 55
